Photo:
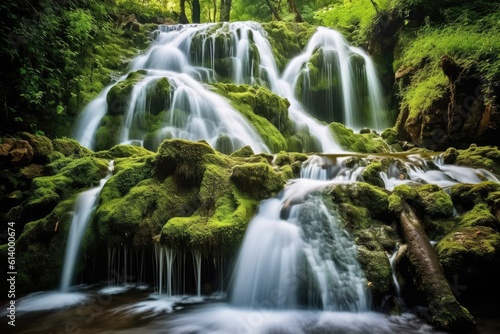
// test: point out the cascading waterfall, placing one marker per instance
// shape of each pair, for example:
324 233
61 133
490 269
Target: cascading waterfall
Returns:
296 254
85 204
186 57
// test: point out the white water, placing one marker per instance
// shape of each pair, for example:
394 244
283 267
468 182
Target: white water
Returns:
190 55
85 204
89 119
295 254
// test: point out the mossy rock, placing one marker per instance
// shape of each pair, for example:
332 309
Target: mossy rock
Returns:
259 180
364 195
108 133
124 151
41 247
126 174
266 111
378 273
119 95
183 159
146 205
480 215
466 196
487 157
244 152
371 174
42 147
70 148
355 142
467 256
287 39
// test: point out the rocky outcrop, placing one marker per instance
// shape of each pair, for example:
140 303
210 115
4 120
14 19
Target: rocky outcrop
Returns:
467 111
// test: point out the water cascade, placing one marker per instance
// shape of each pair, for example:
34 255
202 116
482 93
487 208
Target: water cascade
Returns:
165 94
296 254
85 205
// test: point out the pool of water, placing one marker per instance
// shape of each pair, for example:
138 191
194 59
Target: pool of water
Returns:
135 309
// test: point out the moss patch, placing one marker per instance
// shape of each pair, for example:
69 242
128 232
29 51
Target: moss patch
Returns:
354 142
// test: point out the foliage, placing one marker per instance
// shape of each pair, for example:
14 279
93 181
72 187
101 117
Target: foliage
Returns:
353 18
473 44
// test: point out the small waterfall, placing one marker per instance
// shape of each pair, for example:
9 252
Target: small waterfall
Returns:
85 205
89 119
296 254
351 95
197 270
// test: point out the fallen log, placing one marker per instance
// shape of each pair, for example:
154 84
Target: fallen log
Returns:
444 311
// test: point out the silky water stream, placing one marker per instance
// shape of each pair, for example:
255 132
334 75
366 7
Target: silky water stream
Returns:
297 269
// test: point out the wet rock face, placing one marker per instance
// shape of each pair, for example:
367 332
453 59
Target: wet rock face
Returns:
467 112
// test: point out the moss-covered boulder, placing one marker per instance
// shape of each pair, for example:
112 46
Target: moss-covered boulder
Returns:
40 249
433 205
69 147
42 147
119 95
259 180
287 39
69 177
182 159
487 157
468 256
266 111
355 142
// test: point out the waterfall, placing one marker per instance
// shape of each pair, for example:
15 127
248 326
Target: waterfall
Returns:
170 97
85 205
296 254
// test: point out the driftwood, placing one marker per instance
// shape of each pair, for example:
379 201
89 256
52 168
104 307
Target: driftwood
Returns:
444 311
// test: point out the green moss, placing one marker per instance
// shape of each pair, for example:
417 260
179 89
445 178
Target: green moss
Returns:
147 204
395 203
487 157
377 271
436 202
371 174
466 196
480 215
42 147
183 159
287 39
123 151
353 18
390 136
244 152
127 173
267 112
73 176
467 256
70 148
41 246
108 133
354 142
119 95
259 180
361 205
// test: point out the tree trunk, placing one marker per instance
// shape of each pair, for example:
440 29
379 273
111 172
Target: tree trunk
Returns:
215 11
444 310
273 10
225 10
195 15
292 5
182 16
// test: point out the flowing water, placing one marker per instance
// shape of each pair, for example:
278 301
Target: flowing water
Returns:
297 270
190 57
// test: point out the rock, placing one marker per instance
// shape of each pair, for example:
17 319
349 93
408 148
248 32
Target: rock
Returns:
42 147
16 151
364 130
